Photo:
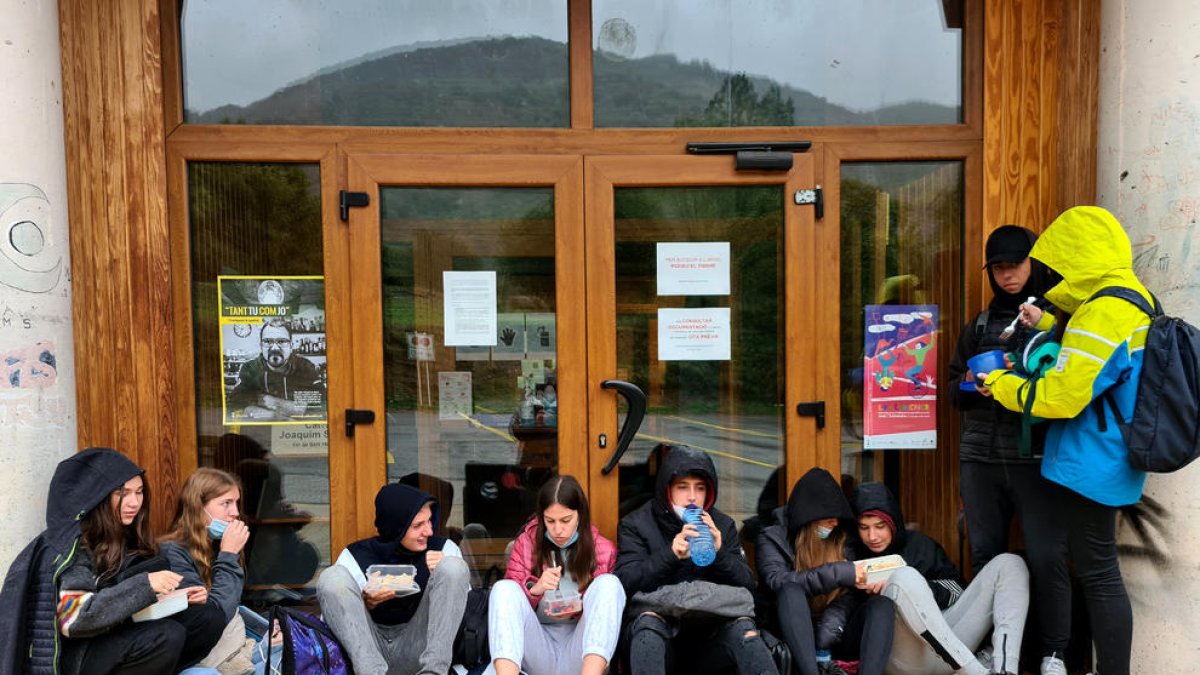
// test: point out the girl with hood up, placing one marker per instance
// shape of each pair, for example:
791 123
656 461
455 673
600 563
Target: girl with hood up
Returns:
803 561
1086 397
104 567
941 623
559 550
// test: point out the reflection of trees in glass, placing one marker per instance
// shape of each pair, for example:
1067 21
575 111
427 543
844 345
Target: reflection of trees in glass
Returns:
244 219
736 104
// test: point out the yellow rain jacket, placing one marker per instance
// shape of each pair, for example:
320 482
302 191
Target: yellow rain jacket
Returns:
1101 351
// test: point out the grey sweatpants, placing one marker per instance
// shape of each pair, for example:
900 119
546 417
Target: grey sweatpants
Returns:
424 645
929 641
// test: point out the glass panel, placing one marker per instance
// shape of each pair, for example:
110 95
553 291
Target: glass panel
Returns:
731 408
732 63
474 425
901 242
263 220
467 63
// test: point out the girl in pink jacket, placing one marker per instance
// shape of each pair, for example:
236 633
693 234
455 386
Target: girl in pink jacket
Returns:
558 609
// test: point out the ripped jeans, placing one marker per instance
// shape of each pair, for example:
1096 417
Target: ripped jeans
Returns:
658 646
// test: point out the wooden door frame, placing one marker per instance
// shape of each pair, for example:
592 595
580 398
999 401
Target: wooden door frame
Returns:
366 172
805 445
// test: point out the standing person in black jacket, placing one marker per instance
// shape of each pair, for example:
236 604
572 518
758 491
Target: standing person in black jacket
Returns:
996 480
803 560
654 553
943 620
68 597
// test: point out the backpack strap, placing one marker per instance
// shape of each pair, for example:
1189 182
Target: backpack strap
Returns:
1131 296
1025 442
981 322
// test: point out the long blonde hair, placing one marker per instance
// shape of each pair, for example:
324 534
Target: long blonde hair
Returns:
812 551
190 527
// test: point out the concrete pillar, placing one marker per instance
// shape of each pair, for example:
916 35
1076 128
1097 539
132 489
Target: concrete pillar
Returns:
37 387
1149 177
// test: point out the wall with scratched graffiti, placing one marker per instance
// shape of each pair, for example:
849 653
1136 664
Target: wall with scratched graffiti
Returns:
37 382
1149 176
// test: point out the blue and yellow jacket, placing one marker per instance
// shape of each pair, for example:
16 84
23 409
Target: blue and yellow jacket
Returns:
1101 351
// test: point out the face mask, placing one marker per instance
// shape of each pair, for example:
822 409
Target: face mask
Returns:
216 528
824 532
572 540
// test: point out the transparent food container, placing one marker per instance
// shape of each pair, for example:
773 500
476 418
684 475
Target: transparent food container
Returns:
563 604
879 569
171 603
398 578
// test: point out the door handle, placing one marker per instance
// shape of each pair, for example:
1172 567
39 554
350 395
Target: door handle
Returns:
636 399
812 409
354 416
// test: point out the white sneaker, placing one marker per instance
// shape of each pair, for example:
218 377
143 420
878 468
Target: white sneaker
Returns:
1052 665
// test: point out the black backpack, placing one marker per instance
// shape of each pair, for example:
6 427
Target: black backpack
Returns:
1164 434
471 644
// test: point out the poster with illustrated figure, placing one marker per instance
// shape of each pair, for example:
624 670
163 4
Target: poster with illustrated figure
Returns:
273 349
900 377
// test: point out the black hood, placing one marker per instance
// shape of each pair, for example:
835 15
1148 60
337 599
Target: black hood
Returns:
80 483
684 461
876 497
815 496
395 507
1041 278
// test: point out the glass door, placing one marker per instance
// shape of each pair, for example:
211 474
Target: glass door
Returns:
715 293
469 334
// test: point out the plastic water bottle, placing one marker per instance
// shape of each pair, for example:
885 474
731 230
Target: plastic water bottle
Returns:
823 656
701 545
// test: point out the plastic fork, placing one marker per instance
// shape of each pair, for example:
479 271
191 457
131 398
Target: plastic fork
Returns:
1012 327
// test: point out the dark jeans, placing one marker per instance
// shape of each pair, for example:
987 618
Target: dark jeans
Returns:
658 646
1090 531
992 494
203 625
866 638
150 648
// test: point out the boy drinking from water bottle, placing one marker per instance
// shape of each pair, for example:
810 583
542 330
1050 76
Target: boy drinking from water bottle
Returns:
682 616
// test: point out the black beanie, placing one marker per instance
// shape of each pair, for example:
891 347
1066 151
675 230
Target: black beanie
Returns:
816 496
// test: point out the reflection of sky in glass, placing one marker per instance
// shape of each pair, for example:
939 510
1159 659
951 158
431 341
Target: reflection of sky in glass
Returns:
862 54
239 51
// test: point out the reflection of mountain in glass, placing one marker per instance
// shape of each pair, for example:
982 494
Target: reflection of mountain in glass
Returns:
522 82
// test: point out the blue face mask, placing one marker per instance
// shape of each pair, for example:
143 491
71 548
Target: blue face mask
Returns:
216 528
824 532
572 540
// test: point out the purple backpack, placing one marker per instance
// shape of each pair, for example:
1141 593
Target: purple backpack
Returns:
309 647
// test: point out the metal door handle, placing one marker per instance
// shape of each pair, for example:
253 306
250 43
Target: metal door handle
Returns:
636 399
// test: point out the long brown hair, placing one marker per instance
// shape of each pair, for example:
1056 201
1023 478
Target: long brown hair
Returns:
565 491
812 551
190 527
109 541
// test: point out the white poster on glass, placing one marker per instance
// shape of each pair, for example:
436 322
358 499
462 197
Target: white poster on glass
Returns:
694 334
469 308
454 395
693 268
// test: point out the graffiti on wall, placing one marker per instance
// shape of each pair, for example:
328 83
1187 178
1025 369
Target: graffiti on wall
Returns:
30 367
29 259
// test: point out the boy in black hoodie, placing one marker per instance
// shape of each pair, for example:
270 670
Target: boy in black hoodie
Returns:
383 633
941 622
654 555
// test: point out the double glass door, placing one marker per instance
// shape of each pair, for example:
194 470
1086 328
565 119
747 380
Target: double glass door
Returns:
496 300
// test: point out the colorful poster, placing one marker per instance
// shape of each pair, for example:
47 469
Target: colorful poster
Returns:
272 332
693 268
900 377
694 334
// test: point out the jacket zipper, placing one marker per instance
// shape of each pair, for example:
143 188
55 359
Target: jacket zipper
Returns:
54 583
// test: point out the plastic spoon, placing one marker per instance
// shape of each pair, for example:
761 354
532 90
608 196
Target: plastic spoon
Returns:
1012 327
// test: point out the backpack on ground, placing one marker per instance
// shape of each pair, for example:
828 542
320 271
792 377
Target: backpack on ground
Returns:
471 644
309 646
1164 434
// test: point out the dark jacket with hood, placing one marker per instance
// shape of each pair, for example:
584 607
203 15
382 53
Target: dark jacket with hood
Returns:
990 433
29 637
816 496
645 561
396 506
920 551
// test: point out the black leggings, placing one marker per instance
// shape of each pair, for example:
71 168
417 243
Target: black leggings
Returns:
867 636
658 646
154 647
